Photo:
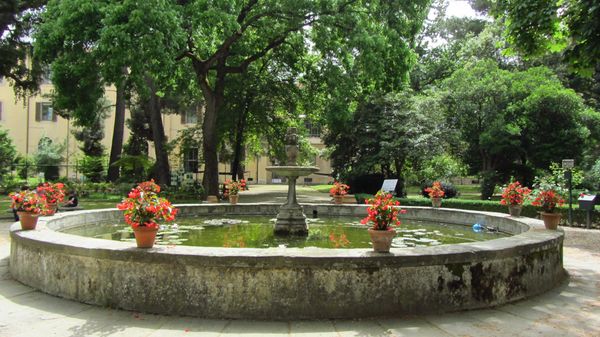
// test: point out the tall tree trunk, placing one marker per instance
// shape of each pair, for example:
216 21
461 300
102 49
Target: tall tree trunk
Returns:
118 131
237 170
214 101
209 146
162 170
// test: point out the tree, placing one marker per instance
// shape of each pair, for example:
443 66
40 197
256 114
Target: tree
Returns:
540 26
513 122
8 153
48 156
253 29
90 45
17 18
386 132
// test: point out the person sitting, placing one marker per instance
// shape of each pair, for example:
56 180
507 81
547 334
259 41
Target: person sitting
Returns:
72 201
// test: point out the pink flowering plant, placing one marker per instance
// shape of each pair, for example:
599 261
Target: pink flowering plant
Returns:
383 212
233 187
28 201
339 189
54 193
143 207
436 190
548 199
514 194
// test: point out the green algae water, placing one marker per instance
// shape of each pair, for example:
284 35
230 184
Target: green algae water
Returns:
257 232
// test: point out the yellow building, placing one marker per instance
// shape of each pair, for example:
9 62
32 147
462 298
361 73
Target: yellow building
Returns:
28 120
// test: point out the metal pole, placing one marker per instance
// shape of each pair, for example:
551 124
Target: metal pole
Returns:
570 198
68 125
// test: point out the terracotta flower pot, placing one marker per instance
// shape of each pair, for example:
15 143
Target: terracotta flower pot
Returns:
382 239
145 236
515 210
551 220
28 220
436 202
233 199
338 199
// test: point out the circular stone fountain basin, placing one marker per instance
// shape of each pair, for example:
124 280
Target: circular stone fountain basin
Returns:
257 232
289 283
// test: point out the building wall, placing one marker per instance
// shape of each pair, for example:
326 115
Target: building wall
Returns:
18 116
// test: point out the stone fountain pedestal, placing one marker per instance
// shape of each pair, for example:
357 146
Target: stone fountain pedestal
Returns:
291 219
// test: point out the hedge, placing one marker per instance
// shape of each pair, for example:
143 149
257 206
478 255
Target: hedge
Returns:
579 216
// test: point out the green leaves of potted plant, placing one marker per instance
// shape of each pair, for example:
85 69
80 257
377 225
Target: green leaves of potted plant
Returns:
382 214
29 205
232 190
436 193
514 195
338 191
548 198
142 209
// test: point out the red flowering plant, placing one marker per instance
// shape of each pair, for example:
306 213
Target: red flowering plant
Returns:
233 187
382 213
548 199
436 190
339 189
514 194
143 207
54 193
28 201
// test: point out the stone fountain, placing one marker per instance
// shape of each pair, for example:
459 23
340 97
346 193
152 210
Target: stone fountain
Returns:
291 218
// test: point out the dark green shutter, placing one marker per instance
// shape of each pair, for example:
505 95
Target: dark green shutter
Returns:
54 115
38 111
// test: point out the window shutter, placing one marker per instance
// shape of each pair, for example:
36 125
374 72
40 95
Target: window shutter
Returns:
54 115
0 111
183 117
38 111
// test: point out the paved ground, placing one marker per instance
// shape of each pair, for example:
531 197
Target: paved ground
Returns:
570 310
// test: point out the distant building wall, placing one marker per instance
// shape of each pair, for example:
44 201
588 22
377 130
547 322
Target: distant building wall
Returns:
31 118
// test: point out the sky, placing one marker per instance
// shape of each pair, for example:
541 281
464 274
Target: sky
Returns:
460 8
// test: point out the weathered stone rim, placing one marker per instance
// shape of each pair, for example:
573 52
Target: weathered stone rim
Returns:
531 244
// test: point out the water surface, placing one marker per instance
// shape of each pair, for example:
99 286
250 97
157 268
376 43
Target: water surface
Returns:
257 232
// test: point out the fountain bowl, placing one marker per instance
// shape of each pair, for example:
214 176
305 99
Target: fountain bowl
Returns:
289 283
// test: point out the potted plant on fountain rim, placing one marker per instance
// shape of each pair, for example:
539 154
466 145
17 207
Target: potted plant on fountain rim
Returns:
382 214
53 193
338 191
548 198
436 193
29 205
143 208
514 195
232 190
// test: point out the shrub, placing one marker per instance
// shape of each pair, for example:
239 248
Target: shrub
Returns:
48 156
92 168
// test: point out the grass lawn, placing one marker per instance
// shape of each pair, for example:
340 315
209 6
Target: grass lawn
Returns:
321 188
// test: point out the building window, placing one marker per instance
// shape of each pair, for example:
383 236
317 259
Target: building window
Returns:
190 160
44 112
313 128
190 115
